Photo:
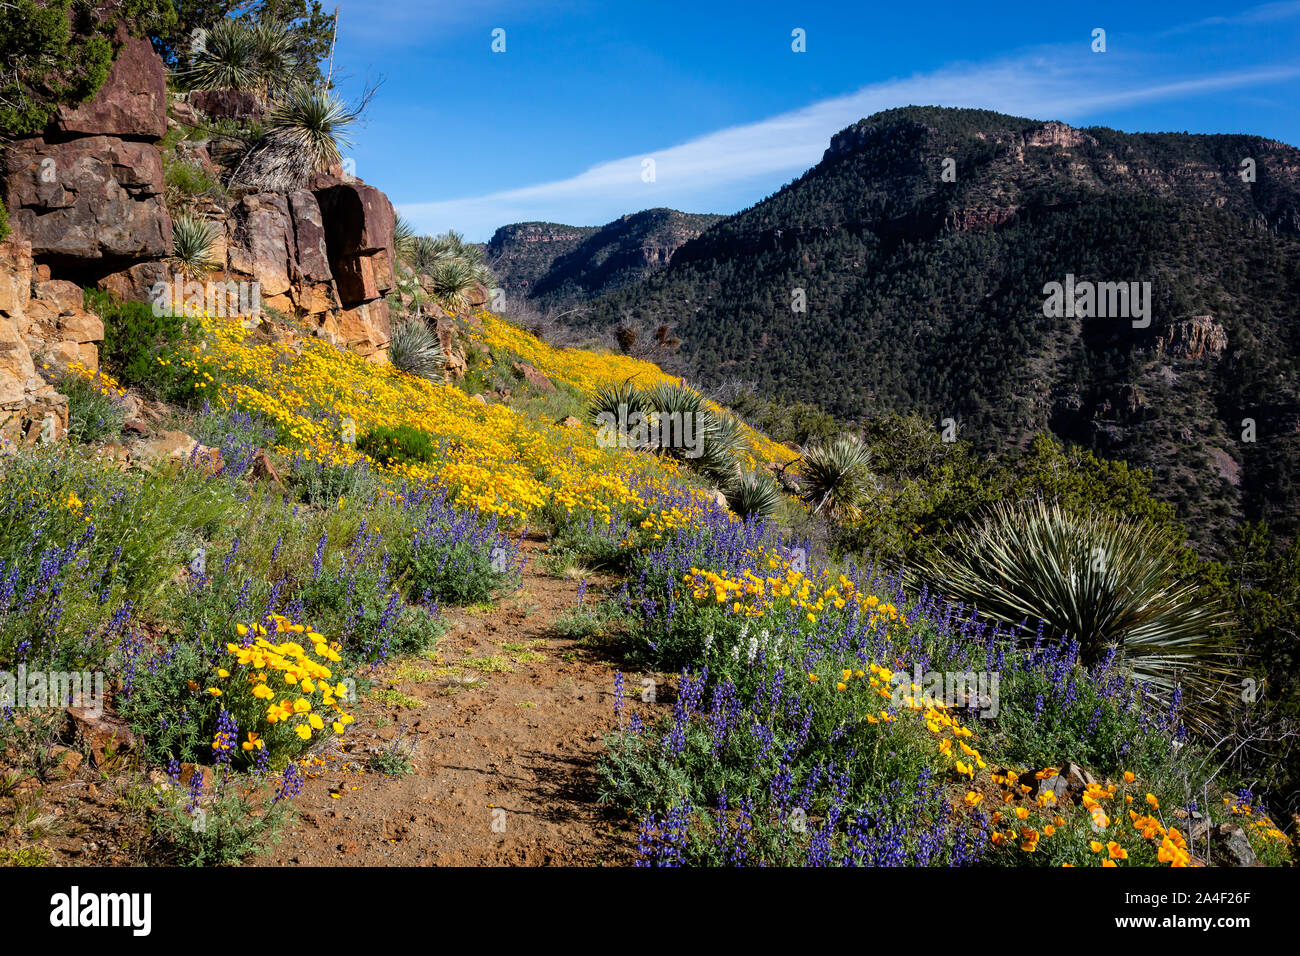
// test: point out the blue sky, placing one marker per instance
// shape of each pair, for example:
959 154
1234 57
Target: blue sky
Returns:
559 125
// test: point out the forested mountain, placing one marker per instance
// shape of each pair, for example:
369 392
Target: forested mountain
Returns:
557 265
921 248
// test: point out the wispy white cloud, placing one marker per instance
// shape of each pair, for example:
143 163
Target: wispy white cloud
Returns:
1264 13
690 175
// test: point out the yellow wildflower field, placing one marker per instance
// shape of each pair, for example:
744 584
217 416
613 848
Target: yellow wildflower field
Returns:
492 457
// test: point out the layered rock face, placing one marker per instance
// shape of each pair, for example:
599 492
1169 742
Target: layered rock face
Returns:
358 222
30 409
87 194
87 207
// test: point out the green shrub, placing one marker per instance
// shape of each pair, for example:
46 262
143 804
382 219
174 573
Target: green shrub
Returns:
139 344
198 829
325 483
396 444
4 222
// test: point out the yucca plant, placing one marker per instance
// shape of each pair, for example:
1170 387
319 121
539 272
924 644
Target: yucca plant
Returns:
273 55
836 478
753 496
193 240
314 122
717 439
404 238
450 282
1101 581
617 399
228 59
415 348
422 254
675 407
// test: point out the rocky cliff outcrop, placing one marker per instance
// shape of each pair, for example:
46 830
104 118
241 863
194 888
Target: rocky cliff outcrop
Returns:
1195 337
87 194
30 409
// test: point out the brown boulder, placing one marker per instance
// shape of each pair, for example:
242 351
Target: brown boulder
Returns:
227 104
136 284
81 326
366 328
263 468
176 446
107 737
132 102
92 198
15 275
63 295
528 373
18 378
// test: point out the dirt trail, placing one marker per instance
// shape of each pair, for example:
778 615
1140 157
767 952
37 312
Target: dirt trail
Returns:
506 724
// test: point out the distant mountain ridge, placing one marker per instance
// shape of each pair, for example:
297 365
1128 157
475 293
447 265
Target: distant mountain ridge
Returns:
925 293
555 264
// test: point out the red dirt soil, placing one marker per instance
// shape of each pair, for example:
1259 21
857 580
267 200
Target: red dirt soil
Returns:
504 767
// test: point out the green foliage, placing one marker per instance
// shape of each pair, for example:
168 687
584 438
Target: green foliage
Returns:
227 59
308 25
223 828
465 573
837 477
184 182
324 484
615 401
4 222
313 123
754 496
396 444
139 343
451 266
59 52
450 283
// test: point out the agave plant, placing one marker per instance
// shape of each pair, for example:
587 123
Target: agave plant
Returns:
717 440
753 496
228 59
1108 584
722 442
415 348
193 240
450 283
836 478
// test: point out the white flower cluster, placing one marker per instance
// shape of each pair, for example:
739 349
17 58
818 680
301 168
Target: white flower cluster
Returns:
749 645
